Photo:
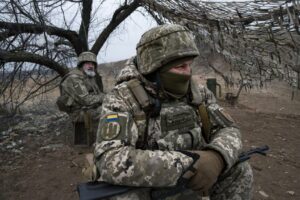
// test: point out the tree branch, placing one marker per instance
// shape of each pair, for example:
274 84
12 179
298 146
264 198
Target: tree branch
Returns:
85 23
19 28
158 19
33 58
119 16
32 94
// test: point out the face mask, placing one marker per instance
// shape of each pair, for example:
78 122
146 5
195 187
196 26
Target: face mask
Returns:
175 85
89 73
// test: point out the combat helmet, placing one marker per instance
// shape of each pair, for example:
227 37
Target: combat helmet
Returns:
162 45
86 56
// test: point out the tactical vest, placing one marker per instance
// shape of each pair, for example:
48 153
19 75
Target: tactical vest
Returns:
177 126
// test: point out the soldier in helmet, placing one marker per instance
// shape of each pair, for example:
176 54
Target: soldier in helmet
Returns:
159 129
81 97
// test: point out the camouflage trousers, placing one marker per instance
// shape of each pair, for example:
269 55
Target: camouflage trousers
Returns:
236 184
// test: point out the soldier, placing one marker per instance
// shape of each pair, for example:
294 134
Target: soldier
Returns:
158 128
81 97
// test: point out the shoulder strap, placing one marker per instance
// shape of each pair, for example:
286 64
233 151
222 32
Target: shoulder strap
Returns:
206 123
142 116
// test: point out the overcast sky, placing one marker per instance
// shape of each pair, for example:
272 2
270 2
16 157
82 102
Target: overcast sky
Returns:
122 43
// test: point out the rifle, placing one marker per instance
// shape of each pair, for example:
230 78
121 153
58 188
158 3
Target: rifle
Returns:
259 150
100 190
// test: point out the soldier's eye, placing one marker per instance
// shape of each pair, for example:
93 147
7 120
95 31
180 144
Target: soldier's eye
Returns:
179 66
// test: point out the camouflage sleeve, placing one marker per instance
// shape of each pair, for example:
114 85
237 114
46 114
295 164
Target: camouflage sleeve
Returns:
226 137
119 162
75 88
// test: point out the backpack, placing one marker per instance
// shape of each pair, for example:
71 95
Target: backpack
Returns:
62 104
63 101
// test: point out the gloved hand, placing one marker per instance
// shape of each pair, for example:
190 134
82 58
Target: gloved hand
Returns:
90 171
208 168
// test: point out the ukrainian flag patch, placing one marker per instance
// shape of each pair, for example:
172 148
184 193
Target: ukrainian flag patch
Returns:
112 118
110 126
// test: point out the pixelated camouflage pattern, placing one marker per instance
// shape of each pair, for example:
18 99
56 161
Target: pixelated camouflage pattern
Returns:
201 94
225 139
82 92
128 72
159 164
178 128
163 44
236 184
87 56
119 162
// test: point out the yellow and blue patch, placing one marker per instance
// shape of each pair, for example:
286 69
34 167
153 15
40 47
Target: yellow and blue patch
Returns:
112 118
110 127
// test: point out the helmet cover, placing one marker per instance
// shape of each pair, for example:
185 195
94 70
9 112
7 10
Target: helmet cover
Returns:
162 45
86 56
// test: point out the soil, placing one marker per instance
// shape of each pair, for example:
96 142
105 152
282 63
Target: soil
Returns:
53 173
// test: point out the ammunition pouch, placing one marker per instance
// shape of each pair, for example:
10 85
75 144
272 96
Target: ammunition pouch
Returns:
180 129
148 104
140 94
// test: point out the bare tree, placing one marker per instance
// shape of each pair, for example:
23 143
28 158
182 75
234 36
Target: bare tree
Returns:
38 36
32 19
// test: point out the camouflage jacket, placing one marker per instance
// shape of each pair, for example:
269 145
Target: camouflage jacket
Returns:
82 91
135 151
